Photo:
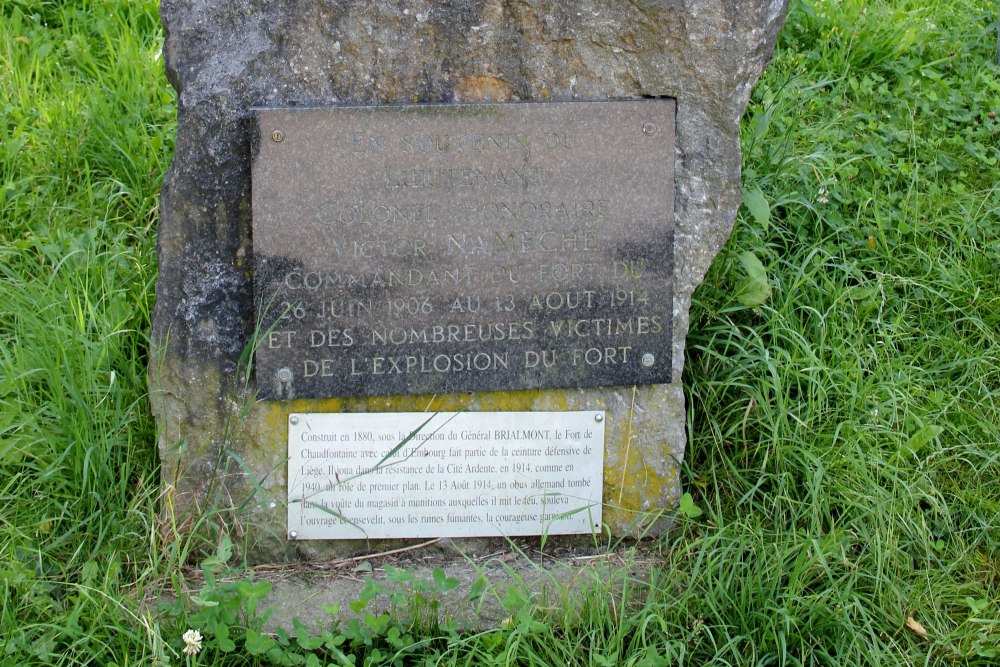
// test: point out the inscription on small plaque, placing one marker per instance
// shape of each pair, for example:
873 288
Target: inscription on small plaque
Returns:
406 475
443 248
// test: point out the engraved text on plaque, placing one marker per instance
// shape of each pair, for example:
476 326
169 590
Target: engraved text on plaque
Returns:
443 248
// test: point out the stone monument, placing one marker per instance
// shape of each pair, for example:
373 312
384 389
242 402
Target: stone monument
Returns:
425 267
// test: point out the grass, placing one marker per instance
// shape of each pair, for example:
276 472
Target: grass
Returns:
845 417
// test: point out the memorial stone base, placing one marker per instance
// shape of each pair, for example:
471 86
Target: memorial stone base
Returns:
252 213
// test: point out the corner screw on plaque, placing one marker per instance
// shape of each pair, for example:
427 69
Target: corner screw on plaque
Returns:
293 420
292 535
648 360
284 375
598 418
648 128
277 136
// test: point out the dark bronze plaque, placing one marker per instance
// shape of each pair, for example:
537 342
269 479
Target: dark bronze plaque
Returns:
444 248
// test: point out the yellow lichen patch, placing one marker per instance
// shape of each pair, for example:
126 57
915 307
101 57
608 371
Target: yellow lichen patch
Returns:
274 414
628 488
560 399
482 89
509 401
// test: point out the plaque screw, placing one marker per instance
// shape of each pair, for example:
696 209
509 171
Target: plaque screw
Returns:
648 360
293 535
284 375
598 418
293 420
277 136
271 505
648 128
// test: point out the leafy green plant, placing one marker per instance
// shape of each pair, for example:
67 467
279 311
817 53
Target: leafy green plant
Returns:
410 598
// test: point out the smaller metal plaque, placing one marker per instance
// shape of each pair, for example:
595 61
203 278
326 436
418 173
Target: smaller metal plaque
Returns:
446 474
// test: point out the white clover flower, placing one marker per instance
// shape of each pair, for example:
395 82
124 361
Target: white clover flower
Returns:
192 642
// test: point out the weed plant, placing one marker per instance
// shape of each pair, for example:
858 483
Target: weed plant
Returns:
843 373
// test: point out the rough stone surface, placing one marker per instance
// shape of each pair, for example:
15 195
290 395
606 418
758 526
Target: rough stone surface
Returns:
224 452
558 584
